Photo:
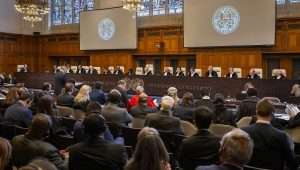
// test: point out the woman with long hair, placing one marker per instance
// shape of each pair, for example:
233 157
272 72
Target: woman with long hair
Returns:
5 153
82 99
46 105
150 152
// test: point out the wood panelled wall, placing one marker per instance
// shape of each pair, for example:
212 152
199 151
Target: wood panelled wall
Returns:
165 43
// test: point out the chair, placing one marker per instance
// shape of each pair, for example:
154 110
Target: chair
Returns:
138 123
65 111
283 71
188 128
170 69
172 141
139 71
9 131
238 71
130 136
244 122
129 151
220 130
78 114
218 70
259 71
68 123
199 72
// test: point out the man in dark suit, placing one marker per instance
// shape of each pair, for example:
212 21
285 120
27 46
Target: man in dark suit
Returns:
19 113
167 72
248 105
97 93
122 88
59 81
235 151
92 70
113 113
193 73
80 70
118 71
164 120
31 145
66 98
279 75
253 75
211 72
272 148
95 152
231 74
202 148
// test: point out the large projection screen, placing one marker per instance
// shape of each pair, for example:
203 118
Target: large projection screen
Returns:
213 23
108 29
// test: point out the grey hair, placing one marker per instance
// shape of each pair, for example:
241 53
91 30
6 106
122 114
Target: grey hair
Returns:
236 147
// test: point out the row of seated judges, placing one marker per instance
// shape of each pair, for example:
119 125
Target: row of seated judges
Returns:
260 144
233 73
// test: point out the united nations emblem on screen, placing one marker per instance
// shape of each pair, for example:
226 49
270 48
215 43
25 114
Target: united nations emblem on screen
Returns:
106 29
226 20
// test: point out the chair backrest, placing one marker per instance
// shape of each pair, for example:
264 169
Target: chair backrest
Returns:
218 70
149 67
138 123
111 69
86 68
9 131
171 140
188 128
68 123
139 71
294 133
20 67
65 111
220 129
282 70
244 122
74 69
130 136
98 69
259 71
199 72
238 71
169 68
122 68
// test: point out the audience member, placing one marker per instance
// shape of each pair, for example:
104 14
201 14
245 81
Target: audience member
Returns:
235 151
73 82
222 115
46 105
66 98
134 100
97 93
112 112
205 99
59 81
202 148
11 98
83 98
295 90
18 113
172 92
5 154
31 145
47 88
122 88
164 120
95 152
248 105
271 146
39 164
184 110
142 108
150 152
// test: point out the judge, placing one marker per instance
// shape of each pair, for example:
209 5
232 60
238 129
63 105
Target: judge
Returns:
92 70
211 73
118 71
193 73
179 72
231 74
278 75
80 70
148 71
253 74
167 72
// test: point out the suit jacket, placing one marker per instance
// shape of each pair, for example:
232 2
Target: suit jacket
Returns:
234 75
200 149
218 167
134 101
60 80
184 112
97 154
115 114
142 111
94 71
98 96
294 121
124 97
247 107
256 76
81 71
162 121
224 116
19 115
65 100
213 74
205 102
26 149
271 147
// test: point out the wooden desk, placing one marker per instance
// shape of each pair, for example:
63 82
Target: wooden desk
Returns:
158 85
